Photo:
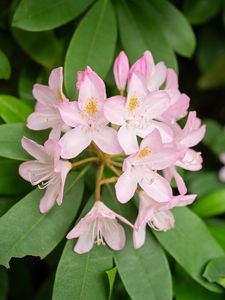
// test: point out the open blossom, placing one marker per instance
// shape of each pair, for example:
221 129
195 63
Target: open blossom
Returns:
140 168
157 215
138 114
49 97
47 171
121 70
87 118
222 170
99 226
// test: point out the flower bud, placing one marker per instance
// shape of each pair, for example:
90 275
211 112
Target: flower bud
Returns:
121 70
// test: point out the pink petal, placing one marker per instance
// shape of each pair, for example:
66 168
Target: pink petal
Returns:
157 78
75 141
171 80
52 149
44 120
153 141
181 200
80 228
121 70
127 139
139 236
126 186
222 174
180 183
162 220
115 109
114 234
222 157
136 88
191 161
85 241
34 149
43 94
30 171
56 81
71 114
49 198
163 159
65 167
106 139
156 104
165 131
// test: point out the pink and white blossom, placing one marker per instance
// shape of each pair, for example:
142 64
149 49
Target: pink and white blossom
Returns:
121 70
47 171
140 168
222 170
87 118
99 226
49 97
157 215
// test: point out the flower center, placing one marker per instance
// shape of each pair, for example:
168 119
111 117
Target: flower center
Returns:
144 152
133 103
91 107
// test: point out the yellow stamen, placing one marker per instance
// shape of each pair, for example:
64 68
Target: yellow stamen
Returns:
59 95
144 152
133 103
91 107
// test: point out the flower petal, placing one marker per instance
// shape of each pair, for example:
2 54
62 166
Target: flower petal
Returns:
127 139
222 174
115 109
34 149
49 198
126 186
139 236
45 119
85 241
71 114
114 234
157 78
43 94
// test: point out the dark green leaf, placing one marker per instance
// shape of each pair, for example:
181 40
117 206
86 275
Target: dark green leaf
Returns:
42 15
211 204
187 289
215 271
6 203
173 25
11 183
93 43
140 33
10 140
201 11
111 277
42 47
214 137
82 276
37 234
217 229
137 268
5 68
3 283
191 245
13 110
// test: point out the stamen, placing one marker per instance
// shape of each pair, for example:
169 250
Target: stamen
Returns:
91 107
133 103
59 96
144 152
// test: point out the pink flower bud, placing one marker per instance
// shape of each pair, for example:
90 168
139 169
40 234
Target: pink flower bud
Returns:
121 70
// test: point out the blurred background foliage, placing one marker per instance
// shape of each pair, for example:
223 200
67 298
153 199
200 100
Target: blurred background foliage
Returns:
189 35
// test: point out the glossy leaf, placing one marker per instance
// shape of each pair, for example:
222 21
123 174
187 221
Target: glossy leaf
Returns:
10 140
187 289
210 205
42 47
111 277
217 229
173 25
137 267
42 15
215 271
4 285
93 44
5 67
6 203
13 110
38 234
139 33
200 11
214 138
190 244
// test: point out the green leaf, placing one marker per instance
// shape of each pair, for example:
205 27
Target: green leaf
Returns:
5 67
86 270
4 285
111 277
13 110
173 25
38 234
43 15
211 204
201 11
215 271
6 203
214 138
11 183
42 47
27 79
93 43
10 140
187 289
139 33
217 229
137 268
191 245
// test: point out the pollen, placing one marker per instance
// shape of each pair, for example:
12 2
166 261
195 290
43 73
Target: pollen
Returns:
133 103
91 107
144 152
59 95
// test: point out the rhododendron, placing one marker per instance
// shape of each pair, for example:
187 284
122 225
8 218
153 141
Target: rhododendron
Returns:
133 139
222 170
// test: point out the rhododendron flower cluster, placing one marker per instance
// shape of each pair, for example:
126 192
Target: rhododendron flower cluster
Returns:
134 136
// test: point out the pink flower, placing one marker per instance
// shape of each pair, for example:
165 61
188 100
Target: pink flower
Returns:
47 171
138 116
222 170
86 115
153 75
140 168
157 215
99 226
49 97
121 70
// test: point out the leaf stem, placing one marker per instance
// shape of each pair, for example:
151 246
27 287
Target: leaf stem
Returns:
84 161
